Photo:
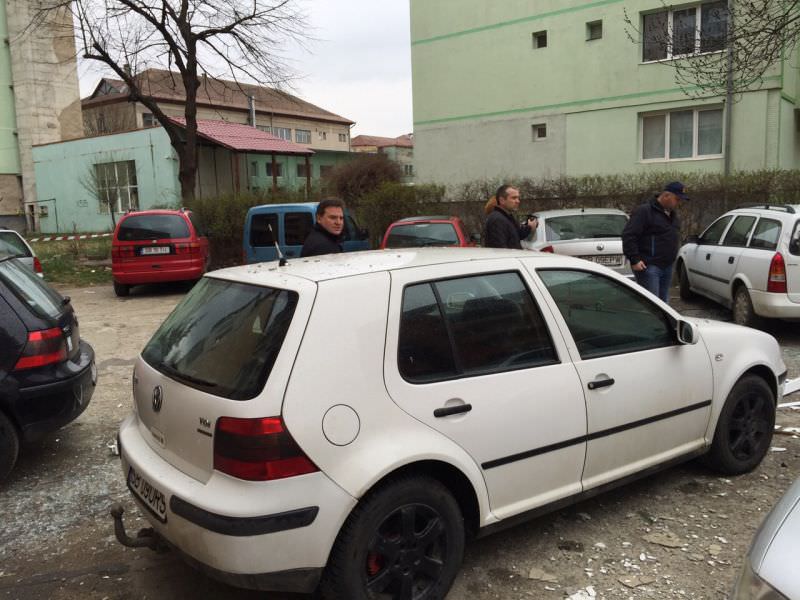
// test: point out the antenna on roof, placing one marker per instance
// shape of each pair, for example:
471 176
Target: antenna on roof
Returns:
282 262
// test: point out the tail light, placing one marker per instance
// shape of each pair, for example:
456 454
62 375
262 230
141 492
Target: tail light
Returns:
43 348
187 248
123 251
258 450
777 275
547 249
37 265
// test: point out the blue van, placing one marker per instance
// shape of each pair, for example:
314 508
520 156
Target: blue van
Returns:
291 223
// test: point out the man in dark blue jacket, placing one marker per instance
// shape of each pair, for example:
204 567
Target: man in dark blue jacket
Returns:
651 239
502 230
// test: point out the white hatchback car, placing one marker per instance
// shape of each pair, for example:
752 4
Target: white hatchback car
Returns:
593 234
350 420
747 260
13 244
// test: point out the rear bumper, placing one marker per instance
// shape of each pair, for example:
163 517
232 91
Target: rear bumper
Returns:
775 306
134 276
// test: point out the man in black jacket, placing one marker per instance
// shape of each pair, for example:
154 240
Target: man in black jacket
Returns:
502 231
651 239
326 236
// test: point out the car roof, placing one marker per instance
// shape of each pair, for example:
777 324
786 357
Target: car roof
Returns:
156 211
772 209
564 212
424 218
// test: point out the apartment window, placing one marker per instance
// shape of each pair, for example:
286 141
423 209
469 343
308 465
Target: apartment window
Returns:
594 30
539 131
264 128
342 137
148 120
278 169
254 169
408 170
692 30
301 170
116 185
682 134
302 136
540 39
323 135
282 132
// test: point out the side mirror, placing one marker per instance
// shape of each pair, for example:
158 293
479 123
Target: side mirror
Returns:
692 239
687 332
475 238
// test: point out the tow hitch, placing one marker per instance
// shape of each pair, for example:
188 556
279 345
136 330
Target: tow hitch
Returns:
145 538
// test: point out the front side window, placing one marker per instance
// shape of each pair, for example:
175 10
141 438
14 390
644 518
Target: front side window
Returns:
415 235
766 234
713 234
691 30
682 134
116 186
606 317
296 227
152 227
738 232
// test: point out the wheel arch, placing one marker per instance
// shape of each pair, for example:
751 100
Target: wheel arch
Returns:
766 374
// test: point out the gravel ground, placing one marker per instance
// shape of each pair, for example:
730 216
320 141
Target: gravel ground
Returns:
679 534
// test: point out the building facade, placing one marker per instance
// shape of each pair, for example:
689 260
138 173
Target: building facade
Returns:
39 102
548 88
399 149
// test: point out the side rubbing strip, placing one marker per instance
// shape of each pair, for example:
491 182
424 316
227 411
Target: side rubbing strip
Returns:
498 462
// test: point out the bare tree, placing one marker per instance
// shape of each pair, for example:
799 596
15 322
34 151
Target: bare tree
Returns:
733 49
241 39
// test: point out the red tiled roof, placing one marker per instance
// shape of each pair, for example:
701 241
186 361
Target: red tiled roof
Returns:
403 141
243 138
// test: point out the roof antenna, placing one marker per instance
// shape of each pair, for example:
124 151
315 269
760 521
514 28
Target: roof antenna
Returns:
281 258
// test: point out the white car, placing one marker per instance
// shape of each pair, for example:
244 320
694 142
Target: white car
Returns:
13 244
747 260
593 234
352 419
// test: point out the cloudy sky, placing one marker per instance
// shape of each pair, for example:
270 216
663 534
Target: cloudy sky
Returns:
358 65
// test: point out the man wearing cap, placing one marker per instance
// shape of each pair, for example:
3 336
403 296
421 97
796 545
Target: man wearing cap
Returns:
651 239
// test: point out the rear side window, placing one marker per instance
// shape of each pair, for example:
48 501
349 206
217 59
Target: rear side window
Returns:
471 326
152 227
766 234
583 226
296 227
30 289
223 338
713 234
12 245
739 231
198 229
422 234
260 234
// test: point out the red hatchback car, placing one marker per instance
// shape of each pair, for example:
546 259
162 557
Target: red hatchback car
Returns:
155 246
415 232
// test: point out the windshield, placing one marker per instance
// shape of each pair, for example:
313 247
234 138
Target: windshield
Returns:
223 338
422 234
12 245
152 227
573 227
40 297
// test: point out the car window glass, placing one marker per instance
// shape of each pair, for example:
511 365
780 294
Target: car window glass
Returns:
152 227
12 245
415 235
260 234
350 228
296 227
581 226
223 338
30 289
766 234
794 240
604 316
739 231
713 234
196 224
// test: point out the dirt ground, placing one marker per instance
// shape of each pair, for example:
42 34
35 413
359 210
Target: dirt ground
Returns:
680 534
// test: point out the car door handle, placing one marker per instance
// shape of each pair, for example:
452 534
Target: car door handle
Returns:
446 411
600 383
708 256
730 260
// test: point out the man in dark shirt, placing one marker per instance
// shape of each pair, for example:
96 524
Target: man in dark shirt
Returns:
650 239
326 236
502 231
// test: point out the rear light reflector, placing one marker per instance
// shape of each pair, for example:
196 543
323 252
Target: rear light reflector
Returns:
547 249
187 248
258 450
777 275
123 251
43 348
37 265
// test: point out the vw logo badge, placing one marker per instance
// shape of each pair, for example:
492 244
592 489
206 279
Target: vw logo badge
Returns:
600 247
158 398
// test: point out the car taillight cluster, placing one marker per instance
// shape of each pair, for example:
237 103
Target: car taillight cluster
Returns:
123 251
43 348
258 450
187 248
37 265
547 249
776 282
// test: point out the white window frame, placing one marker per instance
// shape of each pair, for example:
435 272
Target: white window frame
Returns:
305 134
284 133
131 190
535 132
695 134
698 28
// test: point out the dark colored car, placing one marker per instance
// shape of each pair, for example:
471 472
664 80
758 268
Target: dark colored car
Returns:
156 246
416 232
47 372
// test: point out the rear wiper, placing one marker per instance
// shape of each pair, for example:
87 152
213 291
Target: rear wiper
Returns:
174 372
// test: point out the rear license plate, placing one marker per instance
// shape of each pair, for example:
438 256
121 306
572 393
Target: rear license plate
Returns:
611 260
153 498
147 250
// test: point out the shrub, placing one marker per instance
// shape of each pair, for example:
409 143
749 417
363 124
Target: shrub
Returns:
361 176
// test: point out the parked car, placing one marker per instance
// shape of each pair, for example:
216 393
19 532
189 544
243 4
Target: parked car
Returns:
13 244
156 246
593 234
290 224
416 232
747 260
47 372
769 569
353 420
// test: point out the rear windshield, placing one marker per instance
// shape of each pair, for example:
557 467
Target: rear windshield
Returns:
152 227
12 245
422 234
574 227
30 289
223 338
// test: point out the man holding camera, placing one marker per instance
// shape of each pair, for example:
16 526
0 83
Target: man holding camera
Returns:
502 231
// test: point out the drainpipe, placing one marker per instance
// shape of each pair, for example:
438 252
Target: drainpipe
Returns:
729 94
350 138
251 103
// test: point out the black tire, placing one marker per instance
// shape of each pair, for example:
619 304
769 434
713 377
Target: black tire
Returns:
742 308
683 284
744 429
121 289
404 541
9 446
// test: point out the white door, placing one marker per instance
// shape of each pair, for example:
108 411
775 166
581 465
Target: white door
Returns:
700 259
725 257
470 353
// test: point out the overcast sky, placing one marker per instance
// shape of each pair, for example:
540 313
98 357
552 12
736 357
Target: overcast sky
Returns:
358 66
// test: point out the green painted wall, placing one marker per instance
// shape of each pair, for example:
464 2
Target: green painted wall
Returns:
289 178
9 154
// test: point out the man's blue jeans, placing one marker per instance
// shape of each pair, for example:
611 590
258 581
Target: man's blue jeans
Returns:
656 280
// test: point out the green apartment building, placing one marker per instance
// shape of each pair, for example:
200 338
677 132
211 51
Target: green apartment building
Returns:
543 88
